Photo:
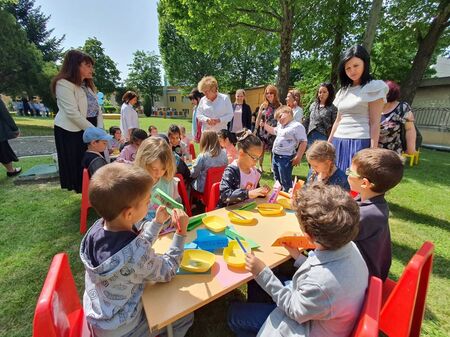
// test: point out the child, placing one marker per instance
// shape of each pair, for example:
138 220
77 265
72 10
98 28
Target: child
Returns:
290 135
372 173
97 140
327 291
116 141
128 153
240 180
227 142
118 257
152 131
177 145
211 155
184 138
321 157
155 156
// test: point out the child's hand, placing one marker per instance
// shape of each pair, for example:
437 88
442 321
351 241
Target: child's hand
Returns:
266 189
293 251
257 192
253 264
183 220
161 215
296 160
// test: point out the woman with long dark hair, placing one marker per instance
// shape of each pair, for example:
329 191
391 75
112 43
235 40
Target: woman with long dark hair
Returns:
78 110
128 116
359 102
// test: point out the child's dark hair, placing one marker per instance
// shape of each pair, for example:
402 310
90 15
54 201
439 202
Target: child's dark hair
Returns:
174 129
113 130
137 134
151 127
328 214
382 167
225 134
246 139
117 186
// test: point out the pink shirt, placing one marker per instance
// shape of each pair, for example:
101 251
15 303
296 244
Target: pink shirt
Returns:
250 181
128 154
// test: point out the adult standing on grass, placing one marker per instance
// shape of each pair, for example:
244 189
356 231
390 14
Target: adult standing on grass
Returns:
242 114
8 130
214 109
359 102
128 116
195 96
78 110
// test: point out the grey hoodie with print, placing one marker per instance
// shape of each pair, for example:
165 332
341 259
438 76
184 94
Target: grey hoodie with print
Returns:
113 290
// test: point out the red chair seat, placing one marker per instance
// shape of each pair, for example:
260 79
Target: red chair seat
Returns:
85 204
213 197
213 175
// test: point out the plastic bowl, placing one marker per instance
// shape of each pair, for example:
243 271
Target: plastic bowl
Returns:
215 223
246 214
270 209
286 203
197 260
234 256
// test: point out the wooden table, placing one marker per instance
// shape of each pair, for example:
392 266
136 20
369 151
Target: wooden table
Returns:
164 303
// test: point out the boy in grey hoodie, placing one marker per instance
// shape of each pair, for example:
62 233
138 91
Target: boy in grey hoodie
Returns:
118 256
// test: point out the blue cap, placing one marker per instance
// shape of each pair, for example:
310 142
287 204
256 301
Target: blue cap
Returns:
92 133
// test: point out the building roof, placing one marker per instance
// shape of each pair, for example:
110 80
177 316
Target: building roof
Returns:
433 82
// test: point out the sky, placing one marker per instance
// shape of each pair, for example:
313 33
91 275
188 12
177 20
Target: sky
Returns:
121 26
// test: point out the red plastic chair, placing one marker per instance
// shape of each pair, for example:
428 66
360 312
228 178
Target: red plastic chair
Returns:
58 311
213 175
192 150
183 194
404 301
213 197
367 325
85 204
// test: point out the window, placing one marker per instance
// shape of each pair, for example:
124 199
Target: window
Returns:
157 99
172 98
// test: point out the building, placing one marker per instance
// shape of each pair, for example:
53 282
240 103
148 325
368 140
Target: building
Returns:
173 102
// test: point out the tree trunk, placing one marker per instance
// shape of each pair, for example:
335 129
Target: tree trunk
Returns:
337 45
425 51
284 68
371 29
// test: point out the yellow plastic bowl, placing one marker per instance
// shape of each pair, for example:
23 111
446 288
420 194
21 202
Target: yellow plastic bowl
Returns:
215 223
286 203
246 214
270 209
234 256
197 260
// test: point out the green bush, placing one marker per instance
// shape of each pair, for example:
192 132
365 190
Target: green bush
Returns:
110 109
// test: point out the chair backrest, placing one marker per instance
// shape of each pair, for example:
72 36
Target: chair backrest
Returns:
85 203
213 175
183 194
367 324
58 311
214 195
85 186
192 150
404 301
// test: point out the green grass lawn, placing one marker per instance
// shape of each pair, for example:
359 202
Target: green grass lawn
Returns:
38 221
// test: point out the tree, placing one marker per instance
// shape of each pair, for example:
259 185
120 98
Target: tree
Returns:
145 76
20 61
106 75
34 22
374 16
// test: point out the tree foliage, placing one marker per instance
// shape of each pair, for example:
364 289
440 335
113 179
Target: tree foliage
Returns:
34 22
145 76
106 75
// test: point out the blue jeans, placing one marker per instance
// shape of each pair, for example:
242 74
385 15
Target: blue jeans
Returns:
282 170
245 319
315 135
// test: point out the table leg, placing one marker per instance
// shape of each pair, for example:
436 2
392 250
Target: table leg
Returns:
169 330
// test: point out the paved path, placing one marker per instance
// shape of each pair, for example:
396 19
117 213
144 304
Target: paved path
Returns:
34 145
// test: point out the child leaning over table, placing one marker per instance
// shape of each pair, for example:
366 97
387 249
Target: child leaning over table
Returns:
97 140
327 291
288 147
372 173
118 256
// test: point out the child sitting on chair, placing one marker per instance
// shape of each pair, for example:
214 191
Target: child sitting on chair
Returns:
240 181
128 153
177 145
97 140
116 141
321 157
288 147
374 172
327 291
118 256
211 155
185 138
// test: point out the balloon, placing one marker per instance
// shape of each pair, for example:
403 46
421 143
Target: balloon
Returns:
100 95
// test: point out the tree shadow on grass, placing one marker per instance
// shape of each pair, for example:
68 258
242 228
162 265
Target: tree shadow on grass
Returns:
409 214
404 254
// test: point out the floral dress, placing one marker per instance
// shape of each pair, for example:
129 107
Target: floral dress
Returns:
268 115
390 127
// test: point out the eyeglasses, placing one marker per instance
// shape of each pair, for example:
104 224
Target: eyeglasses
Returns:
253 157
349 172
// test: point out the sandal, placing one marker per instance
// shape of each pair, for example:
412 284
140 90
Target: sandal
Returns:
16 171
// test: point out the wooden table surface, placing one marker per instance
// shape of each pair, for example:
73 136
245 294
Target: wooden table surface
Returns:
164 303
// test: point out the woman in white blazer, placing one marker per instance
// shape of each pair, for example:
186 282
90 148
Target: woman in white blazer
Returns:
78 109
